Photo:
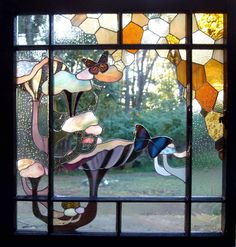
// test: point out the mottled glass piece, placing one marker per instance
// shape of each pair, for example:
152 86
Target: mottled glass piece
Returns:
211 24
159 27
153 217
206 217
214 126
215 74
32 30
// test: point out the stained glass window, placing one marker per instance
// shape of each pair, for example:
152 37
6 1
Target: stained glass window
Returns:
120 110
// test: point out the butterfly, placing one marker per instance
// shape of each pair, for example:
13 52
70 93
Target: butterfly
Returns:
100 66
154 145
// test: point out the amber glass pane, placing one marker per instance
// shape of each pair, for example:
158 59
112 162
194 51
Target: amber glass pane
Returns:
32 30
86 29
208 28
154 28
32 120
152 217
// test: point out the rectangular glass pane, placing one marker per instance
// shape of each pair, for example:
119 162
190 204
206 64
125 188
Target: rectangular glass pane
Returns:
100 111
206 217
76 215
153 28
208 94
86 29
208 28
32 29
26 216
152 217
31 121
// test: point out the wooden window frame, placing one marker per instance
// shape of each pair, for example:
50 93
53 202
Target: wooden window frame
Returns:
12 8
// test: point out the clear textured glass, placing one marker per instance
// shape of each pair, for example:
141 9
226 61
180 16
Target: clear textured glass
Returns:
32 30
152 217
26 220
206 217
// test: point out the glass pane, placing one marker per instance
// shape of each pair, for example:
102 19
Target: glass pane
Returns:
154 28
32 29
152 217
32 122
98 103
206 217
90 217
208 85
26 220
86 29
208 28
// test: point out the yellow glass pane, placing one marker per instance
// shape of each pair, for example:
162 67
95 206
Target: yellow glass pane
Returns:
214 127
211 24
105 36
171 39
214 74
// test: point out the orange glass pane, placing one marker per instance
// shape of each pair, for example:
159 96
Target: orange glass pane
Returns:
132 34
206 96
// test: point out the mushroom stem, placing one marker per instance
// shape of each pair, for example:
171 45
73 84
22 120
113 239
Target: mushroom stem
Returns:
40 141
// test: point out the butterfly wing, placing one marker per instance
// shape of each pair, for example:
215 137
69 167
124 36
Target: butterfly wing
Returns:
102 62
88 63
142 138
103 67
104 57
157 144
